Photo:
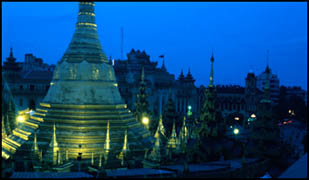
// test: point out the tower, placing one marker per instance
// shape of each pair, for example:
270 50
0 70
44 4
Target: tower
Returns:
84 99
53 150
208 109
211 78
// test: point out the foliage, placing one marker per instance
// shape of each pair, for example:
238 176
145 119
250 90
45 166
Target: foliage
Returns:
265 132
211 133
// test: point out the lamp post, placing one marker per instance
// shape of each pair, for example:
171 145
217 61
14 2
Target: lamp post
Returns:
145 121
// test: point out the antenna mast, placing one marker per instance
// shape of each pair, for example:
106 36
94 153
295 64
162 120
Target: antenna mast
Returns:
121 42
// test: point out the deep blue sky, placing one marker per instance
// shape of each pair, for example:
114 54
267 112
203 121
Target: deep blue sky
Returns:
238 33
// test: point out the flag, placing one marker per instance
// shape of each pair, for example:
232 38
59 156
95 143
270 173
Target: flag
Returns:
161 56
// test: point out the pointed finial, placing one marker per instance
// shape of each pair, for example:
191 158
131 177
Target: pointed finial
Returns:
92 160
11 52
211 81
189 71
212 57
35 148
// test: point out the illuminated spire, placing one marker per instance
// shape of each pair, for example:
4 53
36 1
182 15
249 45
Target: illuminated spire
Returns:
59 160
92 160
173 141
107 141
66 155
160 128
4 134
125 148
107 144
54 147
35 145
183 135
211 78
100 160
85 44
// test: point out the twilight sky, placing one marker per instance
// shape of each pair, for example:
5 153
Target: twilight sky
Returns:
239 33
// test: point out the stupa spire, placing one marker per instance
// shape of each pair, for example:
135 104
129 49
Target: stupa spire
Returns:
35 145
211 78
85 44
53 148
172 142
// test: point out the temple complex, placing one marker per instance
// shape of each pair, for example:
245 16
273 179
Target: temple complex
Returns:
83 114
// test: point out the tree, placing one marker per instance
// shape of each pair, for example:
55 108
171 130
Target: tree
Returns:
211 132
265 132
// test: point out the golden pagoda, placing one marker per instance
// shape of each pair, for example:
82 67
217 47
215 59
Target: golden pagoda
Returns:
84 100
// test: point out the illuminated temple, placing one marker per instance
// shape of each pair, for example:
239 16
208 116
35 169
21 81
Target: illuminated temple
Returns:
83 112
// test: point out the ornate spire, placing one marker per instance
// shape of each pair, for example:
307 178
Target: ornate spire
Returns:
183 135
189 76
181 76
107 141
107 144
85 44
163 65
66 155
125 148
35 145
267 70
92 159
156 151
100 159
4 134
11 57
160 128
54 147
211 78
173 141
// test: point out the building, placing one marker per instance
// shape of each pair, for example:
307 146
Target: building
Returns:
273 82
158 82
28 81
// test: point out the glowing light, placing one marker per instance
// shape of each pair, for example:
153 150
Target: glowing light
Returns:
145 120
236 131
189 107
290 111
253 116
231 126
236 118
20 119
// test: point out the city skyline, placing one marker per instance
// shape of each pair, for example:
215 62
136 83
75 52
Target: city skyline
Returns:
184 39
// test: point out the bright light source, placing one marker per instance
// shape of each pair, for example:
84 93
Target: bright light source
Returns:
189 107
253 116
290 111
236 118
236 131
20 119
145 120
231 126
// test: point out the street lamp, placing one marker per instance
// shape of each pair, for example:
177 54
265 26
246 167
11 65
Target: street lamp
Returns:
20 119
189 111
236 131
145 121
